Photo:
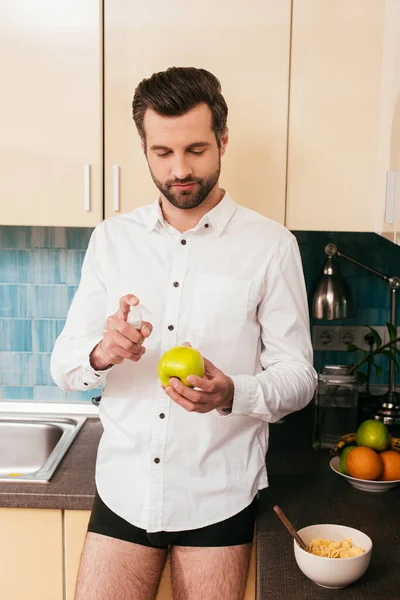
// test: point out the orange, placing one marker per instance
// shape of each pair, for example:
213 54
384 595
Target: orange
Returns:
364 463
391 465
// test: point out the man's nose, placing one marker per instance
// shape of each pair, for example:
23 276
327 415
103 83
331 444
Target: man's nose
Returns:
181 168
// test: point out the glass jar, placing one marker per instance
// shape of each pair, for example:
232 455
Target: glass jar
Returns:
336 406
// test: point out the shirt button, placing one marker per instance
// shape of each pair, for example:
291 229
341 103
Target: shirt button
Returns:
176 284
157 460
171 327
161 415
207 225
183 242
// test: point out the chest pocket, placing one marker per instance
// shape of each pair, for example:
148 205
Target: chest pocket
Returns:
219 306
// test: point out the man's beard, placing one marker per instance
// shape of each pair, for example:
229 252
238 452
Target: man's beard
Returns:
188 198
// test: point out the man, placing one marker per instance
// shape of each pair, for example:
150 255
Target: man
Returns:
179 467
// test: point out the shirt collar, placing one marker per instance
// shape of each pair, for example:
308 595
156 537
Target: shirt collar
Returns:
218 217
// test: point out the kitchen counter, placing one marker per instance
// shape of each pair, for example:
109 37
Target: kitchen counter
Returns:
309 492
72 485
301 482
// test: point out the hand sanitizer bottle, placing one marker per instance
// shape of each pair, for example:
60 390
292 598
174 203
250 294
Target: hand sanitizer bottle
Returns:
135 317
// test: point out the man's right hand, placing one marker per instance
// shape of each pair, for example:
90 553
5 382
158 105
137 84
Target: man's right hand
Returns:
121 340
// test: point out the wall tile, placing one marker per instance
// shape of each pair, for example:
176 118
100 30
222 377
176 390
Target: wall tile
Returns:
48 237
16 335
83 395
45 333
71 293
78 237
73 266
370 293
48 266
49 394
40 269
17 393
16 368
15 300
15 266
50 300
15 237
42 370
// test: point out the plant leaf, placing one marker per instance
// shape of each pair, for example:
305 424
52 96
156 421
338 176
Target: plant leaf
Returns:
378 369
388 354
362 377
377 337
353 348
392 331
391 355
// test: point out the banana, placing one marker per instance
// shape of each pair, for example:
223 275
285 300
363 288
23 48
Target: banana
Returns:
350 439
345 440
394 443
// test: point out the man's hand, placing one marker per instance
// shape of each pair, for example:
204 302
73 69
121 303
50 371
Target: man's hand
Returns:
121 340
216 390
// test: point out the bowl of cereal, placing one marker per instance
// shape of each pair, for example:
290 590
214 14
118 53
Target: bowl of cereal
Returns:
336 555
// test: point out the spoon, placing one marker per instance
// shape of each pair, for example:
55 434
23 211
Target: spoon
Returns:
289 527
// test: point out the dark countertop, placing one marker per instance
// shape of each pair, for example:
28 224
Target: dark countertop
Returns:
72 485
301 482
309 492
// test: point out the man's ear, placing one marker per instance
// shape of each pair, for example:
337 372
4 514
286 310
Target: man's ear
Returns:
143 145
224 142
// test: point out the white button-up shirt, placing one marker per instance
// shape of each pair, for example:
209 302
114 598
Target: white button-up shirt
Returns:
241 302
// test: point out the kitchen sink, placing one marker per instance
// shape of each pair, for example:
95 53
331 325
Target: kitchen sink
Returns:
32 447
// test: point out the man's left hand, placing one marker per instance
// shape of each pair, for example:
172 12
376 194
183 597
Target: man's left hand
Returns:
216 390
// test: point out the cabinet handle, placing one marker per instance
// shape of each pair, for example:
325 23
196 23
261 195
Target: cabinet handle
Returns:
397 197
86 187
390 196
116 187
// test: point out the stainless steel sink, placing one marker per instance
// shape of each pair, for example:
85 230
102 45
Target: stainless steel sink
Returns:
32 447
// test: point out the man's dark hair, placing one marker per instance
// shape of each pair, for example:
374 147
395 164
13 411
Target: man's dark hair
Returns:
177 90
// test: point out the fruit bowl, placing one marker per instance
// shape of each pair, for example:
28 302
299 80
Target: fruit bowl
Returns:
366 485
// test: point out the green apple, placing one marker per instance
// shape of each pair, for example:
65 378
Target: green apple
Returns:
180 362
343 458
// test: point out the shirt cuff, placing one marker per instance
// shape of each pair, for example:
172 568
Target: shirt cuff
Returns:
244 396
90 377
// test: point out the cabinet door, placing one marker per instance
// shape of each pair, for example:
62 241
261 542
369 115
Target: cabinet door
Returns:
50 112
339 127
31 554
246 45
388 164
75 527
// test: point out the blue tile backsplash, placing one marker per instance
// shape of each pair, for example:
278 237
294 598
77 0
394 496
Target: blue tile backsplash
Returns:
39 274
370 293
40 271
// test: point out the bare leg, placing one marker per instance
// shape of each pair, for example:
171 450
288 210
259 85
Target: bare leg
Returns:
204 573
112 568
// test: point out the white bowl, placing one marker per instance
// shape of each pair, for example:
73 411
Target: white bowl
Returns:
333 573
367 485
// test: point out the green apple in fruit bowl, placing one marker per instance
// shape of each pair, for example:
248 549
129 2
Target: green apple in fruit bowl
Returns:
180 362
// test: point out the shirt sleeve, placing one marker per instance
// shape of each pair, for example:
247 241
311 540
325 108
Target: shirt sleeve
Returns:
288 380
84 327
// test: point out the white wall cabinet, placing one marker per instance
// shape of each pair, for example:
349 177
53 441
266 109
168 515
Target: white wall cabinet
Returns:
50 113
313 89
246 45
344 125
